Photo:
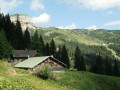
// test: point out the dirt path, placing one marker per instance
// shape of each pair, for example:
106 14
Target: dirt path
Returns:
10 70
113 52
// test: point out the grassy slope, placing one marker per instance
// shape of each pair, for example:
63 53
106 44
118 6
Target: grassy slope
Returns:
62 36
70 80
107 36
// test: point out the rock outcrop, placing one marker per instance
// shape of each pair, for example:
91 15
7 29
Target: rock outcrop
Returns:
24 20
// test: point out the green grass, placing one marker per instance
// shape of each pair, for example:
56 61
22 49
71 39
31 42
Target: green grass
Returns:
89 81
3 68
62 36
13 83
70 80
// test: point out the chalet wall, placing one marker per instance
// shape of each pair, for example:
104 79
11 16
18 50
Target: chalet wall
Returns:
54 65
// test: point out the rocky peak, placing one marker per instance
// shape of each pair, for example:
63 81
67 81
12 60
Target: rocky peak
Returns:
24 20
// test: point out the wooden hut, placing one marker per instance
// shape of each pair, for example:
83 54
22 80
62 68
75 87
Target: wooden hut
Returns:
36 63
21 55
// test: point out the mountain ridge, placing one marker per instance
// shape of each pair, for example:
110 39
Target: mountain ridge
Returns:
24 20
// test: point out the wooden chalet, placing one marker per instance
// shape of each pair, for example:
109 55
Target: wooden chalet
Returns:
36 63
21 55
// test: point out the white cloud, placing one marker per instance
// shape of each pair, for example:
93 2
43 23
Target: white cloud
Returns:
71 26
43 18
37 5
93 27
112 23
93 4
6 6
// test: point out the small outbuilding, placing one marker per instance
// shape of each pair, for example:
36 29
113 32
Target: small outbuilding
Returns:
36 63
21 55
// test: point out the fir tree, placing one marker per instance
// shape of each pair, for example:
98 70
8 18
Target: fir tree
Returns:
19 36
8 27
83 64
27 40
64 56
38 44
35 36
47 48
13 40
52 47
116 70
108 66
79 60
1 21
5 48
41 46
98 65
58 53
35 41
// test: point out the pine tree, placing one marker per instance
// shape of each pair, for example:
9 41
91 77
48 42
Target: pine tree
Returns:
7 27
64 56
108 66
79 60
1 21
35 36
35 41
98 65
27 40
41 46
37 44
5 48
19 36
58 53
83 64
13 39
52 47
47 48
116 70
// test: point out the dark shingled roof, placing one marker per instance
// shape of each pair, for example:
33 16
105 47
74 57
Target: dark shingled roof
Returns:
24 53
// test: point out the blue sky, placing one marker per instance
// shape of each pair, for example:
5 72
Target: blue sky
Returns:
67 14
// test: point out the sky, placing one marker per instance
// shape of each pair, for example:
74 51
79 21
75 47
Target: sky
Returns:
67 14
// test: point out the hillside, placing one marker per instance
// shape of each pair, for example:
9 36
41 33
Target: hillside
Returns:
63 36
87 40
70 80
111 38
107 36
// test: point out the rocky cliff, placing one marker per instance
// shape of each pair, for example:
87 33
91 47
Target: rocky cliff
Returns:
24 20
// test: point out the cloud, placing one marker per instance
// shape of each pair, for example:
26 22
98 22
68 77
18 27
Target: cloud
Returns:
43 18
37 5
93 27
112 23
71 26
6 6
93 4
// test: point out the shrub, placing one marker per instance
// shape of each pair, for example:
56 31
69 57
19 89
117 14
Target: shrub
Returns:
45 72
